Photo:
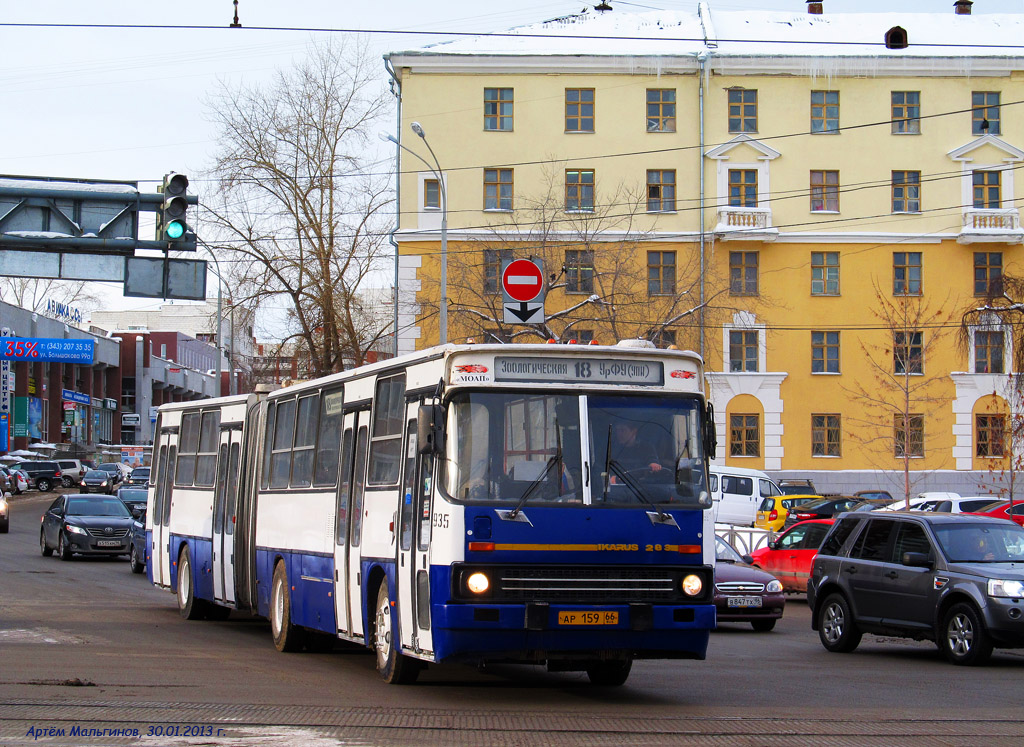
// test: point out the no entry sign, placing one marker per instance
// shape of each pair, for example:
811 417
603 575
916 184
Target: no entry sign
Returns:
522 287
522 280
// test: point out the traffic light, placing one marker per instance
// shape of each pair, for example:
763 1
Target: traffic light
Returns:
170 221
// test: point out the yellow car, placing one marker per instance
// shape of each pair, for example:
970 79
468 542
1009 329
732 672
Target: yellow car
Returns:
772 512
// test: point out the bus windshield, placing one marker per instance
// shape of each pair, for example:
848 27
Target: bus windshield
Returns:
595 449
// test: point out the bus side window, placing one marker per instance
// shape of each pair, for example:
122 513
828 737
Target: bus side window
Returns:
358 486
425 492
172 453
408 487
345 487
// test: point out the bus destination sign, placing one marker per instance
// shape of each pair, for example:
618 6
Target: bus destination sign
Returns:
580 371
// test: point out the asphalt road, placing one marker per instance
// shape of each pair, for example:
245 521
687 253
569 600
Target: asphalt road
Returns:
88 645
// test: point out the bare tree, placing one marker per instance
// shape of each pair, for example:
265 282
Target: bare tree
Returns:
33 293
897 395
295 208
625 288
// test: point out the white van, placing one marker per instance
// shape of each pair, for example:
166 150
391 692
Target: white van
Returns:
736 492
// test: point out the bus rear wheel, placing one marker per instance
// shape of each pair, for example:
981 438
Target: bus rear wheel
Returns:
288 636
189 607
609 673
393 667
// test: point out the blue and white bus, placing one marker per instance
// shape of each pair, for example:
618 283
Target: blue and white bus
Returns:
545 504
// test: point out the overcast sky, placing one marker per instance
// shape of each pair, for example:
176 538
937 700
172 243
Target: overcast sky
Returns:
127 103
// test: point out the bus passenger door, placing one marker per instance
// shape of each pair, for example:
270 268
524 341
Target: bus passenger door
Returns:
413 574
160 559
225 500
355 526
343 613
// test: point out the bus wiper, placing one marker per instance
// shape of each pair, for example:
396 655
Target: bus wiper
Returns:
633 485
553 461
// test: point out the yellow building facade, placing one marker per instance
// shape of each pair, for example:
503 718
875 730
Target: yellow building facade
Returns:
809 208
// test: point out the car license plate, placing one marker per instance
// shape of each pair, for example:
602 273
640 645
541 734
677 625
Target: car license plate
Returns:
600 617
744 602
108 543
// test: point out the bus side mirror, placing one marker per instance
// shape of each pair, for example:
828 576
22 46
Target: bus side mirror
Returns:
429 419
710 434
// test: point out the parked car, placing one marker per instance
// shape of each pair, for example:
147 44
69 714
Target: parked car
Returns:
44 475
5 515
789 557
736 492
17 480
1003 510
72 472
772 512
744 593
823 508
133 497
86 525
98 481
900 504
139 476
875 494
797 487
116 469
964 505
137 550
957 580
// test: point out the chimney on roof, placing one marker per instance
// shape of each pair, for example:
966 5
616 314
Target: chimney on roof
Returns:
602 7
962 7
814 8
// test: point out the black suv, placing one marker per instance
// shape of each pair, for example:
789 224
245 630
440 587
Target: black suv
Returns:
954 579
44 475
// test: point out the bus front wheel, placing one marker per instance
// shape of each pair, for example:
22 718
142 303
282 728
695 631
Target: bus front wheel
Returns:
288 636
393 667
610 673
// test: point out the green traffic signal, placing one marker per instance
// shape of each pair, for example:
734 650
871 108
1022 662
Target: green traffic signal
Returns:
175 229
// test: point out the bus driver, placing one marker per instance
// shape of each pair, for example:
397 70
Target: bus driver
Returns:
633 455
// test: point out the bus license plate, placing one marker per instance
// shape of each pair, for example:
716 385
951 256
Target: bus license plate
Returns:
744 602
108 543
601 617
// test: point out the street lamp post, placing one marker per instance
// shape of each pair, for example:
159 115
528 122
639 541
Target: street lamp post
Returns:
220 318
436 171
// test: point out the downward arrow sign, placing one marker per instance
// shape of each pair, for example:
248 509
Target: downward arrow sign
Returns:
524 311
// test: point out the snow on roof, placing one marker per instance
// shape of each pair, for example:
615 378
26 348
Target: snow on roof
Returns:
748 33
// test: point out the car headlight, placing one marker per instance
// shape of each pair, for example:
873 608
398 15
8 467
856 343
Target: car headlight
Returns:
692 585
478 583
75 530
774 586
1005 588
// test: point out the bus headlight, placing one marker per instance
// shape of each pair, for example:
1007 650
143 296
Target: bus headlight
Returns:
692 585
478 583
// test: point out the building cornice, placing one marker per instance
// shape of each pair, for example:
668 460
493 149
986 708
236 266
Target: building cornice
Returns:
812 66
683 237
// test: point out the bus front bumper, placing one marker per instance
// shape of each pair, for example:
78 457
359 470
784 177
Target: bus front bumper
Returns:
539 630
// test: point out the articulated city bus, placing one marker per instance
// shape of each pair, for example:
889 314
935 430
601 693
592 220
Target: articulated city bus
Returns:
545 504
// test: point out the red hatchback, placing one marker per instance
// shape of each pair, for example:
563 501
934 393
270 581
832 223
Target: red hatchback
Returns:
790 555
1002 510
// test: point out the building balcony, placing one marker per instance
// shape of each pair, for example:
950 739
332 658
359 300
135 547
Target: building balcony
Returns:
991 225
745 224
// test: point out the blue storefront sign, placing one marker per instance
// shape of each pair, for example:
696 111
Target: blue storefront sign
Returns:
69 396
45 349
4 420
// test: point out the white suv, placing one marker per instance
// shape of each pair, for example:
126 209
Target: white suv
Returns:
72 471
